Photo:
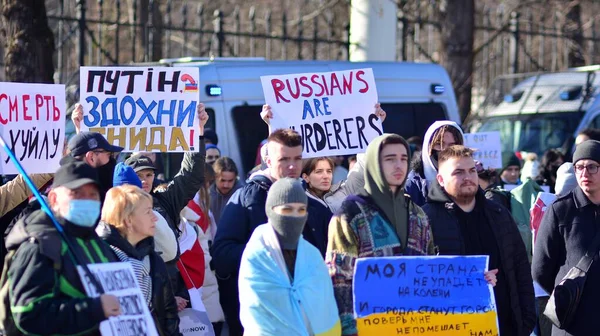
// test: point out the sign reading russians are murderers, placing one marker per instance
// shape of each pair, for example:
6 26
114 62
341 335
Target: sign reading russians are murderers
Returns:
32 122
142 109
118 279
334 112
429 295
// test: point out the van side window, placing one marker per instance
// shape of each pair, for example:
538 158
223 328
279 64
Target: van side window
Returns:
250 131
410 119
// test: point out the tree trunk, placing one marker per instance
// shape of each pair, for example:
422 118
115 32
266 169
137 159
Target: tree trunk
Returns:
457 30
574 31
29 42
156 29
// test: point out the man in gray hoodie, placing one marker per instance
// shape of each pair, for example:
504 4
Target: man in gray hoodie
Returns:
226 183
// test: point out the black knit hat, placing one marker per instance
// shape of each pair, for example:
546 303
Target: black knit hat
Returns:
587 150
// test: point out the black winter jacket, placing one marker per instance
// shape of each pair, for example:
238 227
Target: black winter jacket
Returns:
170 202
566 231
242 214
164 306
49 301
513 257
317 223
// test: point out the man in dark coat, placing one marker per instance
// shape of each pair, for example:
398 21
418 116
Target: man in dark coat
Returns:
47 296
464 222
567 229
244 212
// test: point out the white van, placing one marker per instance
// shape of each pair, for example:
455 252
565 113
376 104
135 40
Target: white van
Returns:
537 112
413 95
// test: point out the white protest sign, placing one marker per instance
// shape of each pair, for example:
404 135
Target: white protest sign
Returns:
487 146
195 323
119 280
334 112
32 122
142 109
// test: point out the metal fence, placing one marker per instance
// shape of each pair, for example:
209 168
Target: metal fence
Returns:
106 32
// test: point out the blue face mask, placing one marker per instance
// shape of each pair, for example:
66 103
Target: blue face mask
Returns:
83 212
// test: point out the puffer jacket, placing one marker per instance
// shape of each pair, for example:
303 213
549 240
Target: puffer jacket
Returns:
164 306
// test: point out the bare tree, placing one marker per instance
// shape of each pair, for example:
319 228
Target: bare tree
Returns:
457 36
29 42
574 30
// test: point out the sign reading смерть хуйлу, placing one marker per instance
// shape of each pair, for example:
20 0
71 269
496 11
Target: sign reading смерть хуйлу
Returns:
32 123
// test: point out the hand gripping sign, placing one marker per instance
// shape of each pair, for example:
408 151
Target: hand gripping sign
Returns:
332 111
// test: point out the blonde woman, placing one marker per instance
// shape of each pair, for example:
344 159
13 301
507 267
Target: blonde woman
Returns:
128 225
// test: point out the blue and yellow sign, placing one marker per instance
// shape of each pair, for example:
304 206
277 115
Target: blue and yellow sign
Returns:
435 295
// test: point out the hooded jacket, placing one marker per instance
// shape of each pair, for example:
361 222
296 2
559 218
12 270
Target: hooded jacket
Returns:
395 219
46 293
418 182
440 210
164 306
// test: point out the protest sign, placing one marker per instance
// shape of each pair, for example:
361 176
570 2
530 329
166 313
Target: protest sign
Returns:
434 295
195 323
142 109
487 146
119 280
334 112
32 122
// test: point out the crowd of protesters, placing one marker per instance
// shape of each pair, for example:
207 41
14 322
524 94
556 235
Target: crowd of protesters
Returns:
276 252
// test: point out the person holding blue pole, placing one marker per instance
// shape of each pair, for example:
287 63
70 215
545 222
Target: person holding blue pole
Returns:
46 294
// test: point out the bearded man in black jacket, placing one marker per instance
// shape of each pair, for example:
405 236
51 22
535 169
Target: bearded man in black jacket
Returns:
464 222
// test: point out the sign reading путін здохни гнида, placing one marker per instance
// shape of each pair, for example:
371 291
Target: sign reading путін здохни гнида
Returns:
142 109
334 112
32 123
428 295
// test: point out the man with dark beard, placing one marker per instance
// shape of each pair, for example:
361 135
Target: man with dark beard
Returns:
464 222
93 149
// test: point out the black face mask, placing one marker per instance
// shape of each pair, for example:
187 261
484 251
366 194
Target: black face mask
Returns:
434 157
105 174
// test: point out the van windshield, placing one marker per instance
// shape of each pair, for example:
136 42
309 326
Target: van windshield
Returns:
533 133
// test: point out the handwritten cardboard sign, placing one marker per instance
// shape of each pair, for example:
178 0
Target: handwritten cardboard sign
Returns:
441 295
32 122
119 280
334 112
142 109
488 148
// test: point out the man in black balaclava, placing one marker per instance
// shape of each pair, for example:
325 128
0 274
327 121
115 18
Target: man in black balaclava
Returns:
93 149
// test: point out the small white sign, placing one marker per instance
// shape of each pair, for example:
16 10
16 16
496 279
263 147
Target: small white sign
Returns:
488 148
119 280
